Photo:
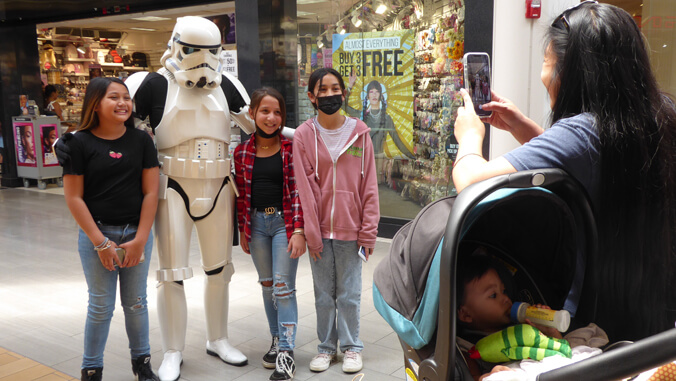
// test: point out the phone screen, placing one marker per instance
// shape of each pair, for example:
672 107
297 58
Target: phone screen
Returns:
478 80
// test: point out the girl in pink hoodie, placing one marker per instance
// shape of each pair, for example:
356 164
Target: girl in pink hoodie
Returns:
337 183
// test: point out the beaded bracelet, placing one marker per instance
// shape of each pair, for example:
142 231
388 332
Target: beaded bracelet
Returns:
100 249
102 244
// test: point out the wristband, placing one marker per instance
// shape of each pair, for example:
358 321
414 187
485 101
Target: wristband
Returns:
464 156
102 244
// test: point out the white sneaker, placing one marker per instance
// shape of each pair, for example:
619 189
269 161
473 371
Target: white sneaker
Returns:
322 362
170 370
352 362
226 352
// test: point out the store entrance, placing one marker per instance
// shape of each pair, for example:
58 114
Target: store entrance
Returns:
73 52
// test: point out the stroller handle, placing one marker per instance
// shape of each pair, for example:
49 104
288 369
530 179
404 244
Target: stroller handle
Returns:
442 365
620 363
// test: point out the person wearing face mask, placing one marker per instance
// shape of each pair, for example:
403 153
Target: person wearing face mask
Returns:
336 177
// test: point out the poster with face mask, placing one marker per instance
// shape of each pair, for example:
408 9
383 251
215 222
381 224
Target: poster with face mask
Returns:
377 68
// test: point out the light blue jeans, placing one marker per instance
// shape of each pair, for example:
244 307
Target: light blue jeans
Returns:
274 264
102 287
337 284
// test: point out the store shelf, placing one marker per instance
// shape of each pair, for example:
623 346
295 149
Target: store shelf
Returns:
132 68
66 59
75 75
112 64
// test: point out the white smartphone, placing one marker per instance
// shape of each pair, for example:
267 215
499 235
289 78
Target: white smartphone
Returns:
362 253
477 68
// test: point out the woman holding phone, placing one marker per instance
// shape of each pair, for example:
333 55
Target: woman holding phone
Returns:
615 132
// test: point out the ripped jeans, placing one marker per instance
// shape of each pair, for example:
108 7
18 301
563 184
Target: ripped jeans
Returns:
102 288
277 275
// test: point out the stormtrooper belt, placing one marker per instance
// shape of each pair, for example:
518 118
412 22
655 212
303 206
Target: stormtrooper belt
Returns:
194 168
173 184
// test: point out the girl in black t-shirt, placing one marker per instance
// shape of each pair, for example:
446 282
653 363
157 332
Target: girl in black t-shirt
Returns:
111 188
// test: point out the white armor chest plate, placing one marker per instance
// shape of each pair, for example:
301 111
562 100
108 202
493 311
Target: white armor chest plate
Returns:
194 134
193 114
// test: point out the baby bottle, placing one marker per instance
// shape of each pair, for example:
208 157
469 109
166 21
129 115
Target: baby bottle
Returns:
541 316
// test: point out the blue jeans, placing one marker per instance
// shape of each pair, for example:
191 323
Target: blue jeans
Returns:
102 287
274 264
337 284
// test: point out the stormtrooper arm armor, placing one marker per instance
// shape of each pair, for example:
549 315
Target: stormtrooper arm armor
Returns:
238 102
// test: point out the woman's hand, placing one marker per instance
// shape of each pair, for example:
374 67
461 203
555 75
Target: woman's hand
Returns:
134 251
467 124
296 245
506 116
108 257
243 243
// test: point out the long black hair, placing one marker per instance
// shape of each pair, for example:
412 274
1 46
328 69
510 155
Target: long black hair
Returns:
603 68
317 77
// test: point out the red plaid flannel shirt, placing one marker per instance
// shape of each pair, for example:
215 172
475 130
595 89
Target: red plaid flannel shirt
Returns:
244 157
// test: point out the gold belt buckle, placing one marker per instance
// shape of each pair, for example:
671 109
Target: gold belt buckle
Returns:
269 210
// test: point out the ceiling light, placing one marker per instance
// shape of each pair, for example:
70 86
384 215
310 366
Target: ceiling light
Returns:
342 29
151 18
81 50
356 21
381 8
143 29
320 43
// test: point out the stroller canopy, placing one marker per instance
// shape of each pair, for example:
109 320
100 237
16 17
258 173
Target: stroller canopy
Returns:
532 229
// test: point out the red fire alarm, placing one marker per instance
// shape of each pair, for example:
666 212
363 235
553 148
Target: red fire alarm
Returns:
533 8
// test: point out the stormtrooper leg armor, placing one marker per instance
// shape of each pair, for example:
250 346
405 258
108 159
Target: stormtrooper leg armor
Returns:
174 227
215 240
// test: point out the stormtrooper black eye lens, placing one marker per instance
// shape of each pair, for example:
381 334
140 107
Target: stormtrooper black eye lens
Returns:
213 51
188 50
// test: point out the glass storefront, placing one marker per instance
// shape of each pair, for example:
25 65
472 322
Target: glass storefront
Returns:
402 64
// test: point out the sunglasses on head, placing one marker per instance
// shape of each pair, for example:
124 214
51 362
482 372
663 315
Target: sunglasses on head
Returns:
562 18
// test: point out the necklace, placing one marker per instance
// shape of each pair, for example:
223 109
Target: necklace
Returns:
264 147
376 114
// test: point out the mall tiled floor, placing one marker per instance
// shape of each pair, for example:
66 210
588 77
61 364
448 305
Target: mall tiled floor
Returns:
43 300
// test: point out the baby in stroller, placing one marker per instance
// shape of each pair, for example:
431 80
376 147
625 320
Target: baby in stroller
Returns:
484 307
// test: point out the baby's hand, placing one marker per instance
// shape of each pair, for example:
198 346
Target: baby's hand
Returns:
496 369
548 331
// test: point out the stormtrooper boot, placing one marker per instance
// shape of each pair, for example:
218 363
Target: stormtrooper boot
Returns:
226 352
170 370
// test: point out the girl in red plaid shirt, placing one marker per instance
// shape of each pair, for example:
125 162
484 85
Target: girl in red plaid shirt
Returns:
271 223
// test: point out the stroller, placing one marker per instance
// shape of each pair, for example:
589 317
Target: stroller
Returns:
540 225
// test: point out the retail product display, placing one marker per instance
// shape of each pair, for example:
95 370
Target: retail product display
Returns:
419 90
69 62
439 73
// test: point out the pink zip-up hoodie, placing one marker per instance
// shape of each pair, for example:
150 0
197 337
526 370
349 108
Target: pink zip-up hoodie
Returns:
339 200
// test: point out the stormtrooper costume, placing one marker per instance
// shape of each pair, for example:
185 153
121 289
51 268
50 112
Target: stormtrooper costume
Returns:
190 104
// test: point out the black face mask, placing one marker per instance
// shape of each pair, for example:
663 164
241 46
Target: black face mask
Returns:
265 135
331 104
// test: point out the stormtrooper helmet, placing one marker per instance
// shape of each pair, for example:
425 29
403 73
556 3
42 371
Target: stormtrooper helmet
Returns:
193 53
